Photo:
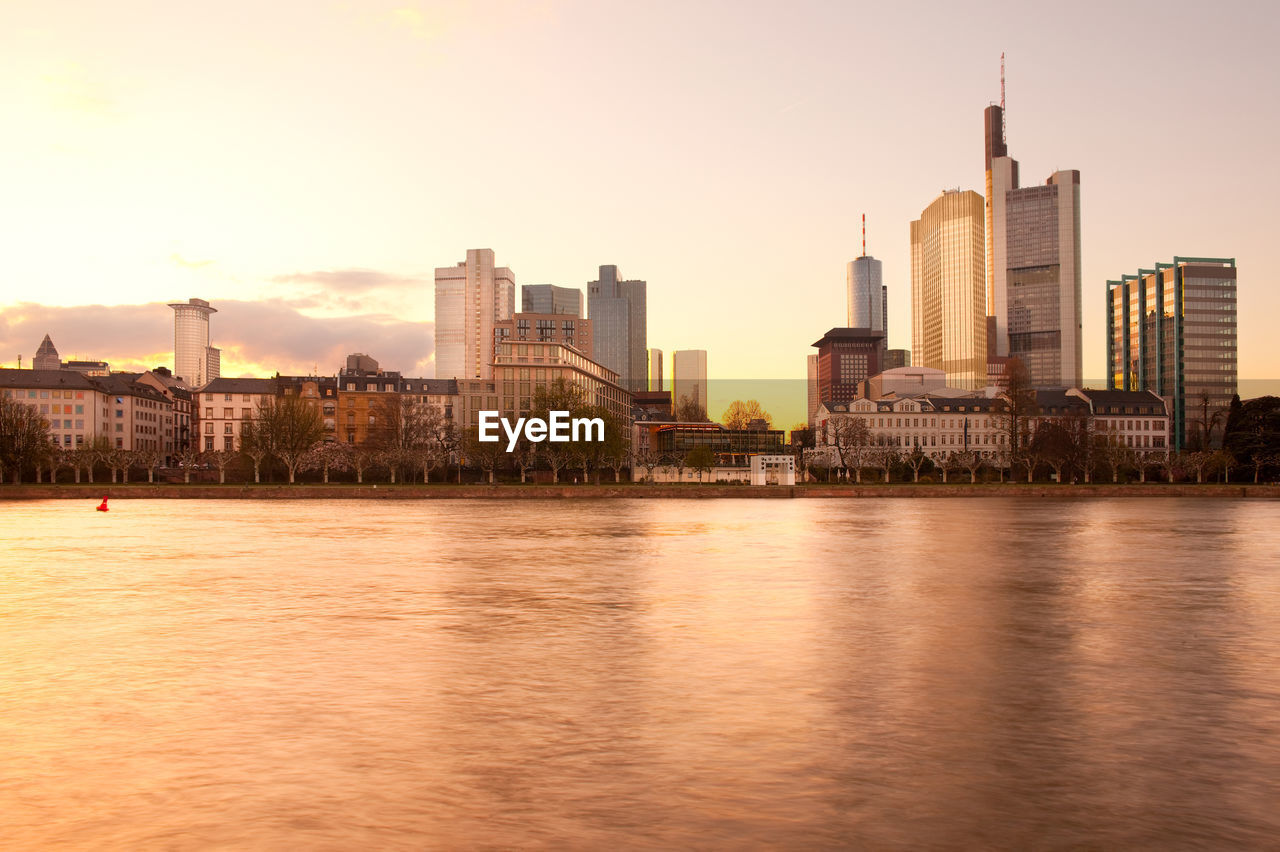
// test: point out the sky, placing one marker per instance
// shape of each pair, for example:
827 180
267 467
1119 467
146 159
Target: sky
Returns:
304 166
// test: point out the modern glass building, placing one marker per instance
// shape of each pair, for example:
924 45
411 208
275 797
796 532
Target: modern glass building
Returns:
689 376
550 299
1172 330
618 314
1033 265
194 360
948 289
866 294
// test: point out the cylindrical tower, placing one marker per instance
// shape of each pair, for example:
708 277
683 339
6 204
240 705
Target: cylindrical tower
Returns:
866 294
191 342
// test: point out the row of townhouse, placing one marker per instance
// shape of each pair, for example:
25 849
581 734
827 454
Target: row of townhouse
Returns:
942 425
352 405
133 411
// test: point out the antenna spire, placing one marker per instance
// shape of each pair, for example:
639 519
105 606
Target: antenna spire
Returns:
1003 138
864 234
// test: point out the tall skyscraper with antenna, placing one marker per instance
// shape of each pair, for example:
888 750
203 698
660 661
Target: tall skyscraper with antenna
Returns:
866 290
1033 262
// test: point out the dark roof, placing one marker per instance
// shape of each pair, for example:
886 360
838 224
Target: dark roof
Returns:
45 379
1057 401
435 387
1105 399
849 334
127 384
221 385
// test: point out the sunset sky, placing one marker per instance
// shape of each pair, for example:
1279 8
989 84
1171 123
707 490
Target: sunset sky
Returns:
305 165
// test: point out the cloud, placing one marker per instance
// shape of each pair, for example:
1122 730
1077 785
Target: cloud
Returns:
354 280
257 338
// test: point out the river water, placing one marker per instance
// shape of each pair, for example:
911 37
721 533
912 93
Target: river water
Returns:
586 674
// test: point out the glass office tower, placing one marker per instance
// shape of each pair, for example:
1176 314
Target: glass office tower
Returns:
1172 330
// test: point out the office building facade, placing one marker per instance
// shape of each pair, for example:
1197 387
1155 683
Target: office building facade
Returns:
471 298
550 299
1172 330
655 370
948 289
689 376
618 312
1033 265
846 358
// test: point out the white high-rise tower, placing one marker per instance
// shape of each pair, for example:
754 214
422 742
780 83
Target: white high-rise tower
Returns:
193 358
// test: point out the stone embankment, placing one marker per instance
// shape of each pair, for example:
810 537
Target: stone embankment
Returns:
383 491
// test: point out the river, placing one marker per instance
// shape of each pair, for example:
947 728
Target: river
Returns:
640 674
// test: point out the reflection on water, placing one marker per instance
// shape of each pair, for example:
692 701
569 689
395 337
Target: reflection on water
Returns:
646 674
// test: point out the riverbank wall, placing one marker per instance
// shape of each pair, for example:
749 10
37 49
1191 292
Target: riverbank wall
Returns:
443 491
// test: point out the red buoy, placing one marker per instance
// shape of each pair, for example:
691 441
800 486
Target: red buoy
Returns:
102 507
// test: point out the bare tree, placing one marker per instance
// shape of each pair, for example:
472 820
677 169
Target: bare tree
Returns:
1200 461
883 457
971 461
362 458
851 436
256 443
188 458
739 414
220 459
1017 410
24 437
327 456
915 460
293 425
150 460
688 410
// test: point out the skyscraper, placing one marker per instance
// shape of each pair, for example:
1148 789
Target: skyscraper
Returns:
470 298
550 299
194 360
655 369
1172 330
689 376
948 299
866 292
47 357
618 313
1033 265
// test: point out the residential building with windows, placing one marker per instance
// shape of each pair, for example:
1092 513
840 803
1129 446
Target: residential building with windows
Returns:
545 328
226 407
1172 330
948 289
470 298
74 405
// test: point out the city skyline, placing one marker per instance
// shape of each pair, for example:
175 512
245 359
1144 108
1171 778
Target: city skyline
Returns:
280 187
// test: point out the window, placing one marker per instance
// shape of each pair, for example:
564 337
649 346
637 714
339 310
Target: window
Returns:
228 413
245 414
208 444
226 397
208 428
227 444
226 428
208 413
